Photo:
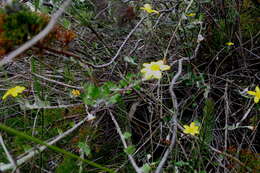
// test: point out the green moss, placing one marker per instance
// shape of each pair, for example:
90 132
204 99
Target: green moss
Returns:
22 25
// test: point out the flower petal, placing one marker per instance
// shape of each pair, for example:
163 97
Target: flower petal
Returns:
257 89
251 93
144 70
157 74
165 67
160 62
146 64
5 95
155 11
256 99
147 6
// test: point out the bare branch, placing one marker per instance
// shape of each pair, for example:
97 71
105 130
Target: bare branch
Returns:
173 120
137 169
122 45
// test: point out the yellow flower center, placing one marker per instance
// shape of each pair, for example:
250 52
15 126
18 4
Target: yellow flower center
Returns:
155 67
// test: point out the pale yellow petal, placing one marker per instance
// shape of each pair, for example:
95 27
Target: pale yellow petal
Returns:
257 89
165 67
147 6
5 95
186 130
160 62
155 11
144 70
191 14
14 94
146 64
251 93
157 74
147 76
256 99
192 124
186 126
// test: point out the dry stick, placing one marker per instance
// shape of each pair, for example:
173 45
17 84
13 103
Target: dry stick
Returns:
63 52
137 169
35 106
9 156
122 45
38 37
173 120
57 82
245 115
33 152
226 117
231 157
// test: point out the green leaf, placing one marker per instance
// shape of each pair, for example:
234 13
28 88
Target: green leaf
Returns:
127 135
93 91
88 101
181 163
208 121
68 165
66 23
130 149
146 168
85 148
115 98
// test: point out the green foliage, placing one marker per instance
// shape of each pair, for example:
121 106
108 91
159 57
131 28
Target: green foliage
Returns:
68 165
206 130
130 149
127 135
54 148
83 11
194 79
22 25
146 168
85 148
108 93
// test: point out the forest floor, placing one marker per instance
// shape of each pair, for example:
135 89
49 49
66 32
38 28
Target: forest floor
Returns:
130 86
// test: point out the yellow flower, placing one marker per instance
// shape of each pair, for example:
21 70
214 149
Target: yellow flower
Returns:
75 92
154 69
255 93
192 129
148 9
191 14
13 91
230 44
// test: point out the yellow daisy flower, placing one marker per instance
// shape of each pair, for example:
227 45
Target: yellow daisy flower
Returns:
154 69
13 92
75 92
230 44
192 129
255 93
148 9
